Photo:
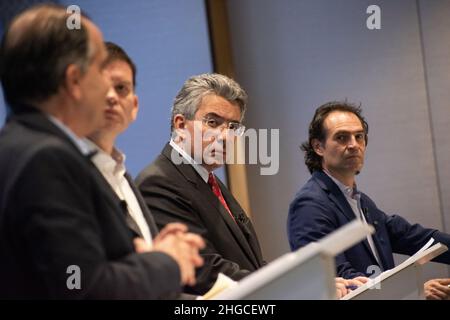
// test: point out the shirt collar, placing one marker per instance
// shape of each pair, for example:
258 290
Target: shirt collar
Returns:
198 167
350 192
113 163
80 143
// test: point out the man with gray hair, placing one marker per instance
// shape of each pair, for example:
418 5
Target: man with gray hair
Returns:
180 186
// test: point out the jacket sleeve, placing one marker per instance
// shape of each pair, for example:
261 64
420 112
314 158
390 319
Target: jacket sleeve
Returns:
408 238
57 226
309 220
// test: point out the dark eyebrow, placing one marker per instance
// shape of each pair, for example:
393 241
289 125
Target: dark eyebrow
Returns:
120 81
126 83
348 132
213 114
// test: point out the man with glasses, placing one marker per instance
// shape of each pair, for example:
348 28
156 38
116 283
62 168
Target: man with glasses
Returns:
180 186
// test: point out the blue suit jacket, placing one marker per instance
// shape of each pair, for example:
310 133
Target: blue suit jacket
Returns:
320 207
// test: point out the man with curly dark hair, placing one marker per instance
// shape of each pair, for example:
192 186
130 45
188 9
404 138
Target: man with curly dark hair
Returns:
334 154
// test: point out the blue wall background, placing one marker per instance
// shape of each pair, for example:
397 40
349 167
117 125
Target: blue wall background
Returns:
169 41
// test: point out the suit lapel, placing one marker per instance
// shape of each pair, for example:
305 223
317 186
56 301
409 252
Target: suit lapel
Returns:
145 210
111 195
210 198
381 251
131 223
338 198
244 223
335 194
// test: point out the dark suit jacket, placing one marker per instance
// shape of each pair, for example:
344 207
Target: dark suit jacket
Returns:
320 208
177 193
57 210
145 211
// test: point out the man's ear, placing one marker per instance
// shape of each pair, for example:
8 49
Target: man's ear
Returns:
135 108
179 122
317 146
72 82
179 128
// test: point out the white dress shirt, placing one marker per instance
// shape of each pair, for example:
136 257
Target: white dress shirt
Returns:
113 169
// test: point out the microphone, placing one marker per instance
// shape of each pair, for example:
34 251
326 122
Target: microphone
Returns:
242 217
243 220
124 205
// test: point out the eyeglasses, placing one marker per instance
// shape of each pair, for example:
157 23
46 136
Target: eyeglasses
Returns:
217 122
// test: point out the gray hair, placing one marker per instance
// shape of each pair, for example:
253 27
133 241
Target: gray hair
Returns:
190 96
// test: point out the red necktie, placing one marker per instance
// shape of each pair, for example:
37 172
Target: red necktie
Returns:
216 189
